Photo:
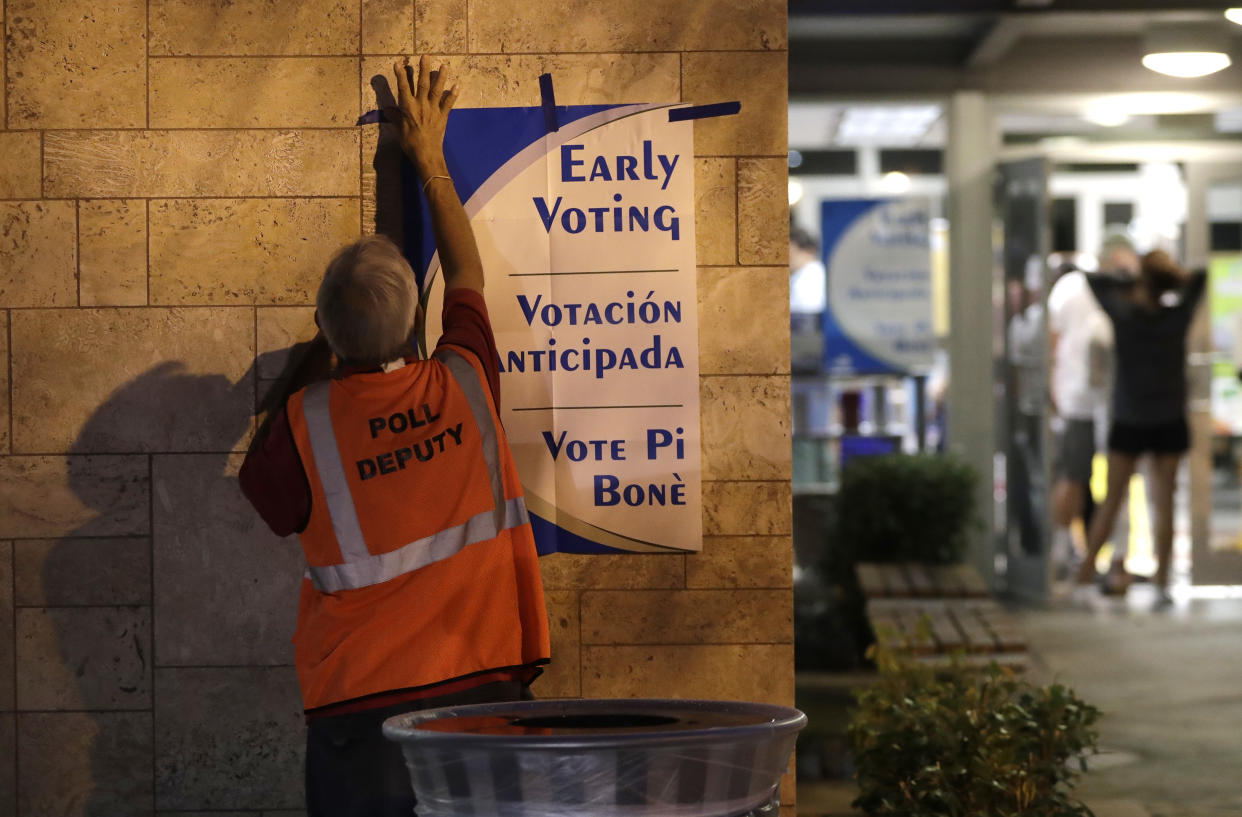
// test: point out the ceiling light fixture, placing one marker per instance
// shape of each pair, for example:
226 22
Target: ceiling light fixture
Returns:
795 192
1186 51
885 124
1107 116
1234 15
895 183
1187 64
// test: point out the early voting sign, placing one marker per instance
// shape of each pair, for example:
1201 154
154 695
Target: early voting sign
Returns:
879 315
586 228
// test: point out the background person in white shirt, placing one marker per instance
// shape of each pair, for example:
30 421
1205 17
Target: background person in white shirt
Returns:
808 282
1081 341
808 298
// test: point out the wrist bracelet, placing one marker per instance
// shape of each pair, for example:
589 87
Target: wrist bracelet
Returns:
432 179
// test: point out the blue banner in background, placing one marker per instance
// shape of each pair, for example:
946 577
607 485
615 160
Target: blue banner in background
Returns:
878 318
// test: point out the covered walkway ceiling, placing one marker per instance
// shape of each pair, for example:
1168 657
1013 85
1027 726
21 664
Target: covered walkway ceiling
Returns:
1054 69
872 48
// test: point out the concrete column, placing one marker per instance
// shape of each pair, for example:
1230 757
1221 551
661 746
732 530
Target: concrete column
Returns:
970 156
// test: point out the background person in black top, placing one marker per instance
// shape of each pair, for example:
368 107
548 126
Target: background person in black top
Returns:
1150 319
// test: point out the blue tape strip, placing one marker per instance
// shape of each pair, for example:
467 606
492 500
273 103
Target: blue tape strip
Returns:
371 118
549 103
704 111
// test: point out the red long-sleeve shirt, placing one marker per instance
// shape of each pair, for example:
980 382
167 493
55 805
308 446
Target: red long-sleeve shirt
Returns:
272 476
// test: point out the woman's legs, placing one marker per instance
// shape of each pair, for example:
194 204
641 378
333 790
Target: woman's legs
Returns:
1164 483
1120 469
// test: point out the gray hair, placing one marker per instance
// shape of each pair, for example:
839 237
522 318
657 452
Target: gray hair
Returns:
367 301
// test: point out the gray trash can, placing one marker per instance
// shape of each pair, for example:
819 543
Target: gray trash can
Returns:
598 758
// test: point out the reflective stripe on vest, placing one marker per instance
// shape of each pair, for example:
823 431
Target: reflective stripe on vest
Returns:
360 567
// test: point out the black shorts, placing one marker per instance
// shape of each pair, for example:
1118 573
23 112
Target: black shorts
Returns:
1165 438
1076 450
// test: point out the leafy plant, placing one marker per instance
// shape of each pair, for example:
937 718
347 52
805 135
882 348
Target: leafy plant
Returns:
959 742
905 507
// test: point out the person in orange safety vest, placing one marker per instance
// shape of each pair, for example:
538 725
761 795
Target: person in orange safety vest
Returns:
422 586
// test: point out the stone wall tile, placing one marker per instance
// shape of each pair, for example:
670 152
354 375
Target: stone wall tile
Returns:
8 660
562 678
382 162
76 64
4 382
715 210
228 739
440 26
738 310
117 164
745 427
279 329
4 106
245 251
226 588
83 658
85 763
763 211
742 561
620 571
240 27
8 763
254 92
651 25
21 171
112 241
578 79
733 672
387 26
84 496
38 256
759 82
747 508
686 617
128 380
107 571
369 159
264 390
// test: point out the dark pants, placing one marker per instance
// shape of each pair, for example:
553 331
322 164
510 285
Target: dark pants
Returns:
352 770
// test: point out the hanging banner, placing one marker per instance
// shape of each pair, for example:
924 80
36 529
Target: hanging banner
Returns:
587 237
879 314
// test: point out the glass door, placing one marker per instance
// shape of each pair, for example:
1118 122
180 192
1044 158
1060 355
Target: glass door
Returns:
1023 464
1214 241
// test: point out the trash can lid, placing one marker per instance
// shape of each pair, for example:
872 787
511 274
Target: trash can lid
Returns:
599 723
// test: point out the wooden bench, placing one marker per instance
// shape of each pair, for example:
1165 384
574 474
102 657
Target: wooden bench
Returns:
935 611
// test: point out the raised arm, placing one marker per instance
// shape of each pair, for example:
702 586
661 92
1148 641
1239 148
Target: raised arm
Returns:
1192 293
1109 290
422 115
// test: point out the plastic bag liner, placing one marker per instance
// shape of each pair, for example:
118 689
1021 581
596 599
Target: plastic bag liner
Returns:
597 758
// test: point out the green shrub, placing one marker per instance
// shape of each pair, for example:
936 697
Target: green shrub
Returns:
903 507
959 742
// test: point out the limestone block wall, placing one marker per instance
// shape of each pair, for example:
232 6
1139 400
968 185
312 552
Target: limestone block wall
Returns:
173 176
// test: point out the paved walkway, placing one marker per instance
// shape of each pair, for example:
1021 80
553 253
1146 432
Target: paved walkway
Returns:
1169 682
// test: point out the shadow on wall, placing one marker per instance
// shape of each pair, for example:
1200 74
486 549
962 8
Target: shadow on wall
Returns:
207 588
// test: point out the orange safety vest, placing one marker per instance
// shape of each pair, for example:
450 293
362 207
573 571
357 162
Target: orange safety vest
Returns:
422 564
